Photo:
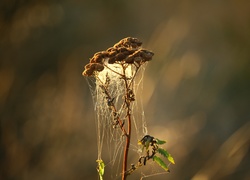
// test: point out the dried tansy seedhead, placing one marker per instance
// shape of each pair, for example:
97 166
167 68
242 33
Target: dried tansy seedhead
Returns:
117 73
126 51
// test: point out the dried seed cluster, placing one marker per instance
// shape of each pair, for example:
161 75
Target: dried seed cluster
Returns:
127 50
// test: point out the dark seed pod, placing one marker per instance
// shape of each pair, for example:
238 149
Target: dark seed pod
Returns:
87 66
98 67
110 49
134 40
128 42
138 59
119 44
88 72
102 54
111 60
129 52
134 45
146 55
120 56
96 59
112 53
129 60
122 49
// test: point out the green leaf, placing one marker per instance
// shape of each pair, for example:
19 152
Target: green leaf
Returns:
163 152
171 159
158 141
161 163
100 168
166 155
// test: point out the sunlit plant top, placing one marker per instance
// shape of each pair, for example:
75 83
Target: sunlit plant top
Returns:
114 93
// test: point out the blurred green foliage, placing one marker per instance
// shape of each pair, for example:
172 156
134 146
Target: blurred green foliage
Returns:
196 88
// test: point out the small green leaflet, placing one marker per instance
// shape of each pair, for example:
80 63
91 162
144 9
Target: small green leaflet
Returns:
158 141
160 162
100 168
166 155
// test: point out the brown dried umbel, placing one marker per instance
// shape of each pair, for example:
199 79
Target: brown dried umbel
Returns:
129 42
115 71
127 50
91 68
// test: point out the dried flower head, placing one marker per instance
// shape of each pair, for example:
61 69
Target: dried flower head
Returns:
127 50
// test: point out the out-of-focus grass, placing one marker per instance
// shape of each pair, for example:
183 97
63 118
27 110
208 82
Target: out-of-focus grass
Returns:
196 90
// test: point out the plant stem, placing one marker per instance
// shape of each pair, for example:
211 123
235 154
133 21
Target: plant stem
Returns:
126 149
128 135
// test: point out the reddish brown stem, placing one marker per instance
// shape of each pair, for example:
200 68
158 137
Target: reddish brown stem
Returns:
128 135
126 149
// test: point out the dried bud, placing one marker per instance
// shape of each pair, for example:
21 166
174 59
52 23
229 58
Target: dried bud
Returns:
112 53
112 60
134 40
138 59
110 49
96 66
102 54
146 55
87 66
128 42
120 56
88 72
129 60
98 57
122 49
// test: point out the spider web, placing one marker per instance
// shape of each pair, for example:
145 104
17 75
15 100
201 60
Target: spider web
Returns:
110 138
115 80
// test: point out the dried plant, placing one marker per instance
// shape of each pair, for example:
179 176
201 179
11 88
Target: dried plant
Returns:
114 72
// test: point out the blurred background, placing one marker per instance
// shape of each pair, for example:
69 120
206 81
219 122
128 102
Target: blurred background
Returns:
196 89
